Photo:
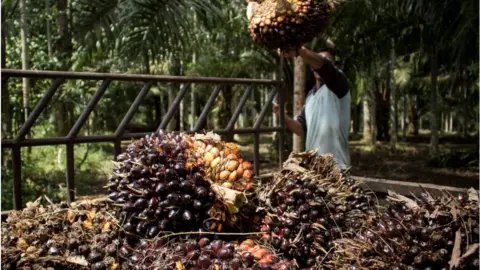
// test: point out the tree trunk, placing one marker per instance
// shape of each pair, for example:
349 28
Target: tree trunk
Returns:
174 123
63 50
64 44
49 29
7 121
465 113
369 124
450 126
24 36
181 109
382 111
225 112
6 106
298 98
404 118
193 98
393 89
433 103
413 117
369 114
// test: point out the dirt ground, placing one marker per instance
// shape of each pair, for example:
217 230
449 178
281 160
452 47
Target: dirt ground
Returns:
410 160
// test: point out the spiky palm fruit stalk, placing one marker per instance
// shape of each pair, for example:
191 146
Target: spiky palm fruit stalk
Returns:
287 24
222 163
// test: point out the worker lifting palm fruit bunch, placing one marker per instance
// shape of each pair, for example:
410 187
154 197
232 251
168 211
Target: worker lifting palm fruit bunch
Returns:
286 24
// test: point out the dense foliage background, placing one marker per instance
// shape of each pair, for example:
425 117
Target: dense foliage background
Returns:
412 66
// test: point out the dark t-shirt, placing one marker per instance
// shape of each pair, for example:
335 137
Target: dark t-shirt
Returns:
335 80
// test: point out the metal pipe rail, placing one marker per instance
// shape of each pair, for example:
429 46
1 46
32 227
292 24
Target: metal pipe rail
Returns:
59 77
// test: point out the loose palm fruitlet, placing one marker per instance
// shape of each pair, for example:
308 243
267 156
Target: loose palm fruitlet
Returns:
222 163
79 236
202 253
419 233
312 205
287 24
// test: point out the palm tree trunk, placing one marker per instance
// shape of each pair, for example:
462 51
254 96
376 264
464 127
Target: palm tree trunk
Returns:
404 118
24 36
63 49
369 116
433 103
49 30
450 127
6 106
172 91
193 98
414 123
393 89
465 114
298 98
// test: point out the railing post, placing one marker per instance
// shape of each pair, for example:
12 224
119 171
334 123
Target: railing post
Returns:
281 135
118 148
17 177
70 171
256 152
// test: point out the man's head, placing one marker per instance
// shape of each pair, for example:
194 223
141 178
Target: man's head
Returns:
328 53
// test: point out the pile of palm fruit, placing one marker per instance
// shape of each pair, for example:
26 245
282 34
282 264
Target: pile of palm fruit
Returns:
76 236
286 24
178 201
418 233
310 204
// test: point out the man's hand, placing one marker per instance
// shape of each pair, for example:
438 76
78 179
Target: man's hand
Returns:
276 108
287 54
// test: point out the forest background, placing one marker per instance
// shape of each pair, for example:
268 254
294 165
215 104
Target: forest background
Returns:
412 65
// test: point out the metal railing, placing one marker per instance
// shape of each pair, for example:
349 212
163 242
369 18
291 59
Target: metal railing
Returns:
58 78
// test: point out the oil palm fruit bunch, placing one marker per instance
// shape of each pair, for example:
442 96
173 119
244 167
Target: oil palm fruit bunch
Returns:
416 233
286 24
154 191
311 205
222 163
77 236
202 253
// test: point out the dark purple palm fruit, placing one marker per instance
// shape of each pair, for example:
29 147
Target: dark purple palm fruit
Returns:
151 182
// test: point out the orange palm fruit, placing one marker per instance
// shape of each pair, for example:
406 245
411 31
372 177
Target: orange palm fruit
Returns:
208 158
247 165
247 174
215 162
208 148
233 176
260 253
215 152
224 175
268 258
232 165
227 185
247 243
232 156
240 170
